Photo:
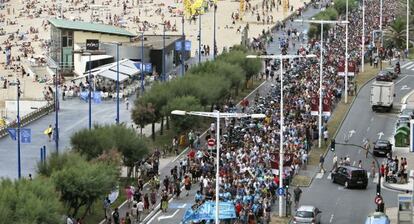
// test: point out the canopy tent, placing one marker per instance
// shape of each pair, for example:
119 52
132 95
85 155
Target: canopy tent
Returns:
109 71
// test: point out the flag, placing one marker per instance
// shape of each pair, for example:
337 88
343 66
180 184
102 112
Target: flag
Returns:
341 67
314 105
326 106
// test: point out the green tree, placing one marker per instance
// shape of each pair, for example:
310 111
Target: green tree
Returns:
315 29
108 137
340 6
83 183
25 201
186 103
56 162
143 114
395 34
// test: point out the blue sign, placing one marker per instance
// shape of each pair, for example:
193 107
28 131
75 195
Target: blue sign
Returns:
280 191
207 210
138 65
26 135
187 46
412 136
148 67
12 133
178 45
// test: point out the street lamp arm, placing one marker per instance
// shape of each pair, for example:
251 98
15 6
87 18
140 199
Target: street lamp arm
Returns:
281 56
321 21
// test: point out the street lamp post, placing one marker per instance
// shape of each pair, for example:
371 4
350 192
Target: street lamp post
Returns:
117 81
407 29
182 48
321 22
281 151
163 52
363 37
199 36
217 115
214 33
346 54
19 167
89 88
142 63
56 111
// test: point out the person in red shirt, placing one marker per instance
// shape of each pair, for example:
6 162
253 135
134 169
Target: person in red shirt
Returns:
191 154
239 207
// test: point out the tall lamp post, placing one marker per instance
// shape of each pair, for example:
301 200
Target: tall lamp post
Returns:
57 111
19 167
163 76
281 152
321 22
214 33
182 48
407 28
363 37
346 53
199 35
142 63
217 115
117 81
90 89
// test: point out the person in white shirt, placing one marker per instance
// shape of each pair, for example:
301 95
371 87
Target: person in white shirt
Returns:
140 210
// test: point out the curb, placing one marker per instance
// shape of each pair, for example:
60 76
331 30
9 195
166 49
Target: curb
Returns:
389 187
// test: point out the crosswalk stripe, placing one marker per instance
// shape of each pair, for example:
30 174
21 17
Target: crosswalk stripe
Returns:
329 177
375 180
368 174
407 64
409 67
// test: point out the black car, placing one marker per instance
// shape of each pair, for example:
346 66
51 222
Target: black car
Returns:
385 76
382 148
350 176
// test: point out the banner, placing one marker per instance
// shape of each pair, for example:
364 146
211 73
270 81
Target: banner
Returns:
326 106
315 105
341 67
207 211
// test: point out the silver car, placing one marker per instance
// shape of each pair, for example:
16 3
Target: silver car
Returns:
307 214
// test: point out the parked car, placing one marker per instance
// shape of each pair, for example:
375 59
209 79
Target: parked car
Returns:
377 218
307 214
385 76
382 147
350 176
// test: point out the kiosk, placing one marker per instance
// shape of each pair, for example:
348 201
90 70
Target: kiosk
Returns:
405 209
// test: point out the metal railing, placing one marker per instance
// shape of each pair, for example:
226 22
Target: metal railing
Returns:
28 118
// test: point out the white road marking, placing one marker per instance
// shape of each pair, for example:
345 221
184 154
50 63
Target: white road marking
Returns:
329 177
401 80
368 174
353 164
182 206
319 176
330 220
375 180
409 67
153 217
368 128
372 118
359 151
168 216
407 64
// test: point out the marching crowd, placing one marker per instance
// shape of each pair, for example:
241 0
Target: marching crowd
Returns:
249 154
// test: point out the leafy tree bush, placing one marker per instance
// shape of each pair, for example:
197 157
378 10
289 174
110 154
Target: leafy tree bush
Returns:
340 6
187 103
83 183
25 201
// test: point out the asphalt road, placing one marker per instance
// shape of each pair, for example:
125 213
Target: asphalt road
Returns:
345 206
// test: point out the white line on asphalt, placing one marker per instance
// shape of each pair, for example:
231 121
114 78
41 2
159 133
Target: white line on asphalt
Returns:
368 128
353 164
329 177
182 206
319 176
372 119
149 221
168 216
409 67
330 220
401 79
375 180
359 151
255 90
405 65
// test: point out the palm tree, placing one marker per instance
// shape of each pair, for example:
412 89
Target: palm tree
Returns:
395 33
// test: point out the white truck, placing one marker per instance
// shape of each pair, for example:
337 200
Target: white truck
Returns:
382 95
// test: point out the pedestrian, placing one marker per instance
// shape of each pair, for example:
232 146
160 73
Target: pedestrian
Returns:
127 103
107 208
360 163
164 200
134 212
153 199
146 201
49 132
373 169
334 163
140 210
115 216
325 135
297 192
321 161
127 219
187 184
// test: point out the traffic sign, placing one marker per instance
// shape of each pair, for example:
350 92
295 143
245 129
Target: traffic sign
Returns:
378 200
280 191
187 46
211 142
26 135
148 67
12 133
